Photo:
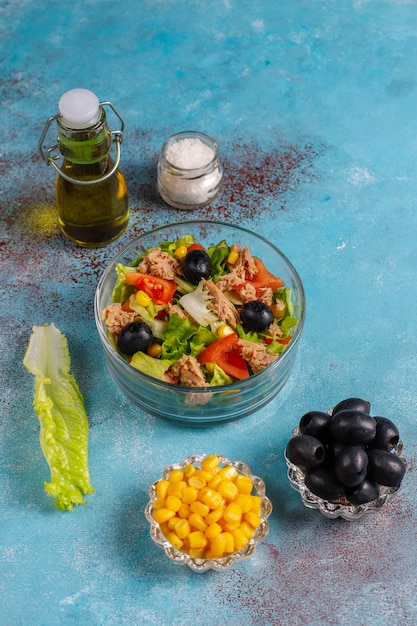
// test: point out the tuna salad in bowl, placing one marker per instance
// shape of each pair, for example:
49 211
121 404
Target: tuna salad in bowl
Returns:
200 321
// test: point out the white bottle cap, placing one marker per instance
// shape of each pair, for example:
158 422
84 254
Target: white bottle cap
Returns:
79 108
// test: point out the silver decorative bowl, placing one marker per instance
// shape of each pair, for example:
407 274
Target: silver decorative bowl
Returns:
200 565
341 508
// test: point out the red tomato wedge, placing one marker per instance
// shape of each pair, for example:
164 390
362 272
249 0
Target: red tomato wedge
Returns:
264 278
161 290
268 340
285 341
126 306
195 246
225 353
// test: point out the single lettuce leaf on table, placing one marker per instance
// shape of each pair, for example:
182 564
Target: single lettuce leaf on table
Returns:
63 420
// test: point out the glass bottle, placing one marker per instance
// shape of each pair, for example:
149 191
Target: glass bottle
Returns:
189 170
91 192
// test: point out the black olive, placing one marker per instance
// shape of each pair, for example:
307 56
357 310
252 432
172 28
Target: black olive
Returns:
196 265
366 491
387 435
353 427
256 315
350 465
354 404
323 482
317 424
135 337
385 468
305 451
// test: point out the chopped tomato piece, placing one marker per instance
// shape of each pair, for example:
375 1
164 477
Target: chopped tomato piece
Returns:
126 306
195 246
264 278
161 290
225 353
268 340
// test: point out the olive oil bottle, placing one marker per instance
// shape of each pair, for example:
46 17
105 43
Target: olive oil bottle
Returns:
91 192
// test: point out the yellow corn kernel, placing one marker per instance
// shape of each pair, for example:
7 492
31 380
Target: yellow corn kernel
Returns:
197 482
142 298
182 528
210 367
163 515
229 526
174 540
164 528
175 476
210 463
196 521
197 553
197 539
247 529
244 500
184 511
189 494
215 482
154 350
230 543
181 252
253 519
159 503
204 475
161 489
215 515
173 503
171 523
213 530
244 484
256 504
232 257
232 513
228 490
200 508
228 472
189 470
211 498
224 330
176 489
217 546
239 538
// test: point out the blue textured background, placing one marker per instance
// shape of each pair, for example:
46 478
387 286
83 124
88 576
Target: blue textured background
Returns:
314 107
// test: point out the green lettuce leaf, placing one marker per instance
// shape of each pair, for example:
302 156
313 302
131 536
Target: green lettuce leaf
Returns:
121 290
220 377
149 365
183 337
218 255
60 408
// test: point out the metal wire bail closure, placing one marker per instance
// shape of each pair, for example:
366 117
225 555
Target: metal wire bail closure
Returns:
51 159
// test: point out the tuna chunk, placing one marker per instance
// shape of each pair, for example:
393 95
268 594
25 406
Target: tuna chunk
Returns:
245 266
186 371
256 355
116 319
223 308
160 263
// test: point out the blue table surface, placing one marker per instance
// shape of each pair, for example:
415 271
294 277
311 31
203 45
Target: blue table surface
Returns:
314 106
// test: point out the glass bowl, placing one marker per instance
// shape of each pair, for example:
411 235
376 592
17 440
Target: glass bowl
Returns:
342 509
204 405
201 565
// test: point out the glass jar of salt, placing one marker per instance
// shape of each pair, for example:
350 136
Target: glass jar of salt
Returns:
189 170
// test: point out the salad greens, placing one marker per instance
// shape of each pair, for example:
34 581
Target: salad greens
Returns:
177 336
60 408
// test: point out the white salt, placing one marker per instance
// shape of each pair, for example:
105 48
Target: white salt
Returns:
189 153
